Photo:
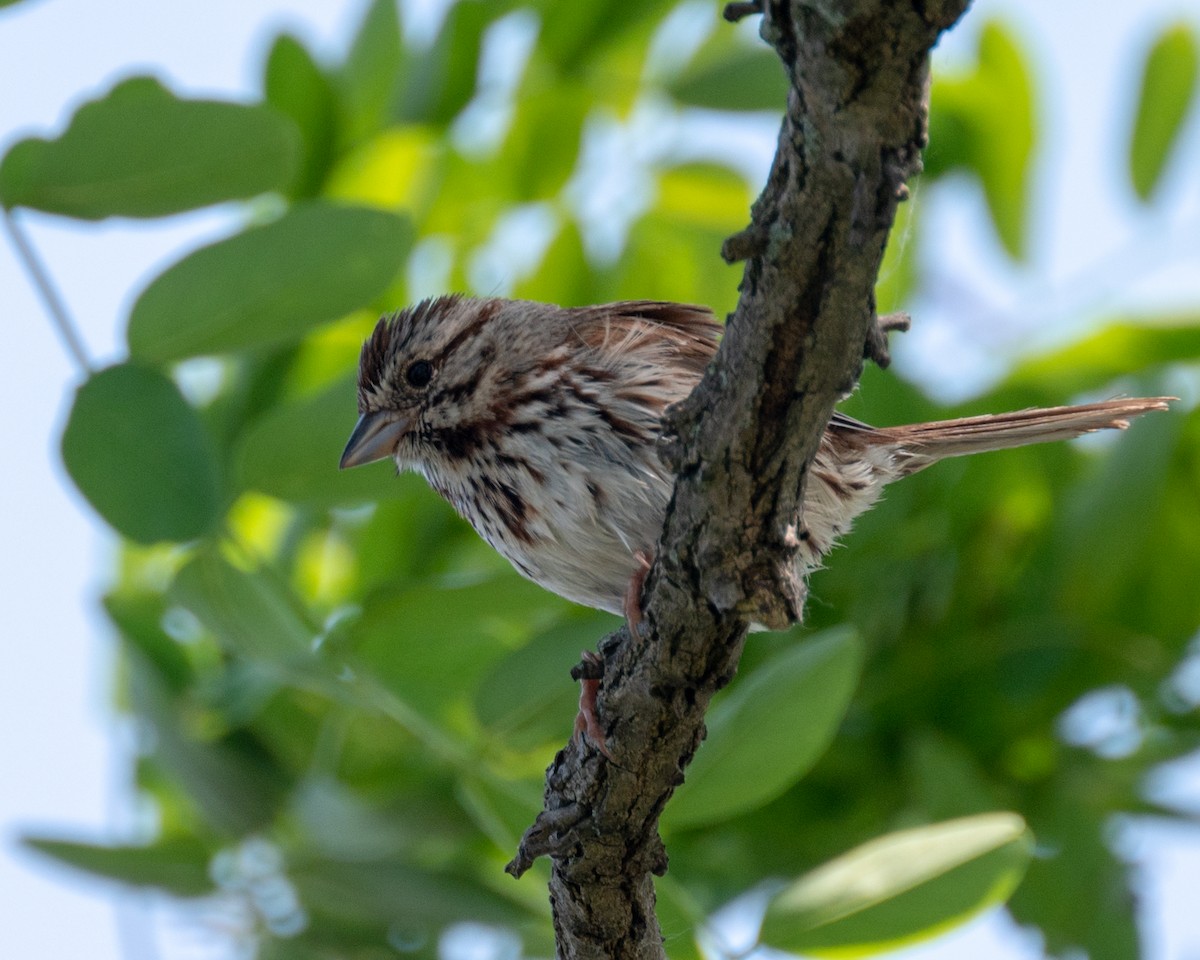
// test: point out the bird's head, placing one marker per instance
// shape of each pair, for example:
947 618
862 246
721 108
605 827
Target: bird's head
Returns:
419 378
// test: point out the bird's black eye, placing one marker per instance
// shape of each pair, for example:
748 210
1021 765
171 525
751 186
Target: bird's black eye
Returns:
419 373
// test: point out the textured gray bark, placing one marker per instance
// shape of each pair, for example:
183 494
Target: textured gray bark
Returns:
740 446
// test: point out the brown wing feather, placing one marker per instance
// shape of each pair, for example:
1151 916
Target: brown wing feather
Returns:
680 336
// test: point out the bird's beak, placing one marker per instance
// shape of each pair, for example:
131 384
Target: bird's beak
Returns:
375 437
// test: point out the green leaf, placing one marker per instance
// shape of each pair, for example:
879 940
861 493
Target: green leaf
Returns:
565 275
1081 897
945 780
429 640
402 894
745 78
249 614
500 809
233 782
574 35
414 537
984 122
269 284
769 729
370 76
1122 348
139 454
441 80
142 152
292 452
703 196
903 887
139 616
680 918
542 145
524 701
297 87
674 249
1117 506
343 824
178 865
397 169
1167 93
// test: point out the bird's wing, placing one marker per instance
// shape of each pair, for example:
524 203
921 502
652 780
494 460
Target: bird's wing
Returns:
678 336
841 421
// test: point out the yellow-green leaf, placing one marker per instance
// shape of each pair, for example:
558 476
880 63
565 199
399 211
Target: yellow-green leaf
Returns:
1122 349
1167 93
574 35
984 122
744 78
903 887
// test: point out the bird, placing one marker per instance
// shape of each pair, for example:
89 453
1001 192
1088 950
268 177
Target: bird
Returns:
540 425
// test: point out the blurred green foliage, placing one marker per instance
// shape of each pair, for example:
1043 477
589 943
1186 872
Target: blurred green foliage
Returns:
984 122
1168 91
348 701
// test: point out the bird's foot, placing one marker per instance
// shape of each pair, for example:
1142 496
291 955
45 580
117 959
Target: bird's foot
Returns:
633 593
589 673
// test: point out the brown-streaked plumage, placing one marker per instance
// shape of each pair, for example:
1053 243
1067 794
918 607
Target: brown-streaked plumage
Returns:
539 424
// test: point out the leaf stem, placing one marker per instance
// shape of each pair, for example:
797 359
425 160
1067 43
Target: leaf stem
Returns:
51 298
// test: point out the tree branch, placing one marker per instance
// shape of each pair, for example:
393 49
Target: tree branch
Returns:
740 447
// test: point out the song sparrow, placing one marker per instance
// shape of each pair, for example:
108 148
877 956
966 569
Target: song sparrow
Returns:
539 424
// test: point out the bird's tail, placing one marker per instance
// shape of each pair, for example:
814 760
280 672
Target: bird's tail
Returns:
920 444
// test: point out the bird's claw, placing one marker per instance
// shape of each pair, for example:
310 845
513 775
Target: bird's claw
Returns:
633 593
586 721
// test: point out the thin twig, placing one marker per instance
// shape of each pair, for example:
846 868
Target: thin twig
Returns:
736 11
550 833
49 293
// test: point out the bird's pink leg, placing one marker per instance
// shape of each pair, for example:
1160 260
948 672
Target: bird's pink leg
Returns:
586 720
592 668
633 592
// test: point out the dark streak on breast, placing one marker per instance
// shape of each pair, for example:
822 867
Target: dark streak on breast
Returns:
509 507
627 429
